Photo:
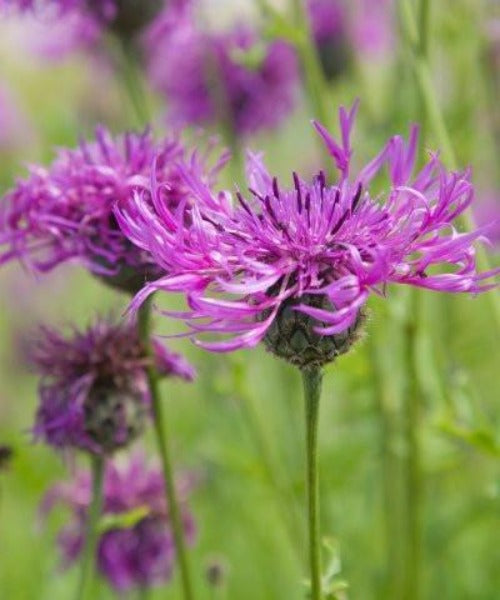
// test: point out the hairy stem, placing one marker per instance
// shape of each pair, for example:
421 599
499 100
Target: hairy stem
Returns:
91 529
161 433
312 379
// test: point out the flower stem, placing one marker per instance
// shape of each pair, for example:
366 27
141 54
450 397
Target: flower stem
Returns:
161 433
288 506
312 391
417 40
386 395
91 528
130 78
311 66
413 483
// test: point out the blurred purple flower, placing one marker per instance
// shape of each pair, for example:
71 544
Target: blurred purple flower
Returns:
362 27
317 248
231 75
82 22
327 18
372 26
66 211
13 125
136 549
487 211
93 390
329 23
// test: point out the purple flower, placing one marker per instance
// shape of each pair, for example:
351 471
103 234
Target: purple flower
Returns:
229 75
328 18
66 211
93 390
372 27
136 546
363 28
86 20
329 25
313 252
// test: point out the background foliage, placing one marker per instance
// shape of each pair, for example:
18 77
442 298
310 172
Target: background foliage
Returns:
239 426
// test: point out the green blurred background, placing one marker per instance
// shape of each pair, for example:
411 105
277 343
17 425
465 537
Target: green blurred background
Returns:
239 427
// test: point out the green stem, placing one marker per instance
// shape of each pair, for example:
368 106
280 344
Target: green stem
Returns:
131 78
413 483
274 471
386 396
418 42
143 593
161 433
91 529
311 66
424 15
315 84
312 391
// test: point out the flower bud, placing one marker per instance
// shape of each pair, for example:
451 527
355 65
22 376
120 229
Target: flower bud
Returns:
292 334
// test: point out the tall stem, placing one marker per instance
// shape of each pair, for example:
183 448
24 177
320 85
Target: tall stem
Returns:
91 529
418 42
130 78
273 469
161 433
312 391
413 484
387 395
311 66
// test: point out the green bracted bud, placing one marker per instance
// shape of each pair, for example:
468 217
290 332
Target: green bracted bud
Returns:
291 335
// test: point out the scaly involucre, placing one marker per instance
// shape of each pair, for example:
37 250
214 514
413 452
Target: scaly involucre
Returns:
93 388
137 549
242 263
66 211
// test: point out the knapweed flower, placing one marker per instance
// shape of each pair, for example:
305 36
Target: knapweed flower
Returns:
330 29
136 547
123 17
65 211
341 30
294 265
93 389
230 75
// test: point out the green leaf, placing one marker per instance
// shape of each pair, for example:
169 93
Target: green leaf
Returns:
125 520
482 440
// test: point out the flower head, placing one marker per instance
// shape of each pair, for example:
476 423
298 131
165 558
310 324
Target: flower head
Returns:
329 25
136 546
121 16
93 389
66 211
225 75
313 248
372 27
